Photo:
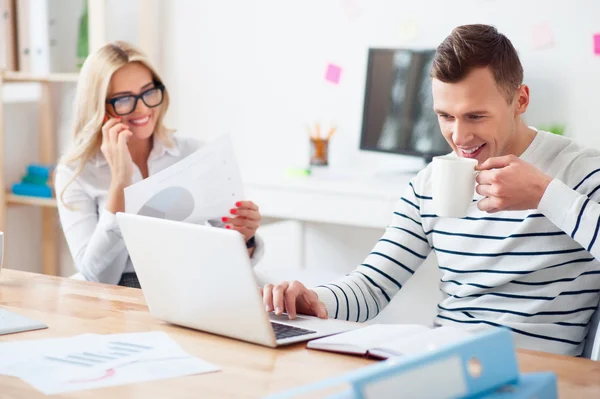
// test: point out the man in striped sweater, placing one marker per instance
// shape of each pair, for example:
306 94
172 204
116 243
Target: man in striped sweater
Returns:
526 257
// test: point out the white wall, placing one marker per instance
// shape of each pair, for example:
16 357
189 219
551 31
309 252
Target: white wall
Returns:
255 69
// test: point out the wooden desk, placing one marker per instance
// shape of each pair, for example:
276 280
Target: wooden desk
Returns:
72 307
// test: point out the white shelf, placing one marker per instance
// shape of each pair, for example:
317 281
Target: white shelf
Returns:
13 199
21 93
10 76
24 87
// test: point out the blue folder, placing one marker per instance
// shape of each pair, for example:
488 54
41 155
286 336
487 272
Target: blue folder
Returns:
40 170
480 366
32 190
529 386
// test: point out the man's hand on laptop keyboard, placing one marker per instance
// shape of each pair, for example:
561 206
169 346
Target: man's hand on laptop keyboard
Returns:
292 297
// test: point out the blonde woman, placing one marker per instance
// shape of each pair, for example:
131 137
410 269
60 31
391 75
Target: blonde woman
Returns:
119 139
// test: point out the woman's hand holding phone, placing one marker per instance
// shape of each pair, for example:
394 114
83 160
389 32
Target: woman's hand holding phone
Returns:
115 136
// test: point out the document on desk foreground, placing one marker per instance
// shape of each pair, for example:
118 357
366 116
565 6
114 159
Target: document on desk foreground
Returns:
203 186
90 361
383 341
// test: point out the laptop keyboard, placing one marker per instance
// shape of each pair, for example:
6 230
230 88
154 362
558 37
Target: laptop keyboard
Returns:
284 331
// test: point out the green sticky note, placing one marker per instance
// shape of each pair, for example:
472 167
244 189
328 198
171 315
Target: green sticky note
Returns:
297 172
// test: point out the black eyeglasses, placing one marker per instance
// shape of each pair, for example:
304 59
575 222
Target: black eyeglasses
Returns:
126 104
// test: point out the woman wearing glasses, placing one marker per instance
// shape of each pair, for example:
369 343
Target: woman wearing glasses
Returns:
118 139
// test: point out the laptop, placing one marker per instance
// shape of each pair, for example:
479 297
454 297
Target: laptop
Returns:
201 277
11 323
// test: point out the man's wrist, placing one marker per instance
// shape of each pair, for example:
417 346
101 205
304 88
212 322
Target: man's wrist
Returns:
542 186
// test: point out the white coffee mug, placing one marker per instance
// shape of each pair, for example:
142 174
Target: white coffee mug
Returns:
453 185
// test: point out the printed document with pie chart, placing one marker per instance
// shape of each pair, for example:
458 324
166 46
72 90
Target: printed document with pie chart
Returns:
203 186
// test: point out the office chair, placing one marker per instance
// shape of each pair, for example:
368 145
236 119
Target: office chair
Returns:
592 340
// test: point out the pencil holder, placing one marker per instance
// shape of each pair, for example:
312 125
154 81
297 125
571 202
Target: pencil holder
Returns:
319 151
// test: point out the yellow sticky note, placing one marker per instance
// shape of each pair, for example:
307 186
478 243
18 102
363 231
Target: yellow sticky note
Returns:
408 29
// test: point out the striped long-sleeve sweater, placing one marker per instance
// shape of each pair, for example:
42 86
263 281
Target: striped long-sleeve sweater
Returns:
535 272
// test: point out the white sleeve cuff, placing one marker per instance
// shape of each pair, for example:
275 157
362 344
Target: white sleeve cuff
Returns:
556 203
329 299
108 222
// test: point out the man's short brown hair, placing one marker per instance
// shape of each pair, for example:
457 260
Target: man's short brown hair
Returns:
478 46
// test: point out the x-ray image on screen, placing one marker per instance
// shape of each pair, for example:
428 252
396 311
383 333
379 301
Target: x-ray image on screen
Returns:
398 112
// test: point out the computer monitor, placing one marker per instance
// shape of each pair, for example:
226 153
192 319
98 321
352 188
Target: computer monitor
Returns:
398 112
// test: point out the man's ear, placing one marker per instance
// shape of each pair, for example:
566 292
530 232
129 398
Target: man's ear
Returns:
521 99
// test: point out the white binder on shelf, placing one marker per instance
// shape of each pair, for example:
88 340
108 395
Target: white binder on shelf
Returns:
23 40
63 34
8 55
33 40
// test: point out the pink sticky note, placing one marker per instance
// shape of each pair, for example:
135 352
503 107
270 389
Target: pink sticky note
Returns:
597 44
333 73
352 8
541 36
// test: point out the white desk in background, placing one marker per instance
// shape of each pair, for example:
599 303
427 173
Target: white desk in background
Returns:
364 200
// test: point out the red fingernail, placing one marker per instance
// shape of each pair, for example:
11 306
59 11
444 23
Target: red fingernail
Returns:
238 204
233 211
224 219
228 227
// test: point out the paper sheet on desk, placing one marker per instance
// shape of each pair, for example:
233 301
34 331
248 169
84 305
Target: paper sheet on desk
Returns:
203 186
16 352
91 361
83 354
142 371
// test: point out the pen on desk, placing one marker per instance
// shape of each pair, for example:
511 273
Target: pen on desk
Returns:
318 130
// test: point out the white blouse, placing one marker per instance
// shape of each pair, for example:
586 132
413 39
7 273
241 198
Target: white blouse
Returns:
92 232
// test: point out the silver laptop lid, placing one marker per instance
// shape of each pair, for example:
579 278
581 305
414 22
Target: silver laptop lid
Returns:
197 276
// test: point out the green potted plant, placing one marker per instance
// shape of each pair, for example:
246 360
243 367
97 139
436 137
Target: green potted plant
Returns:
555 128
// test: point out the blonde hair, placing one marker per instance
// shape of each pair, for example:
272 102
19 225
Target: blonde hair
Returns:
90 103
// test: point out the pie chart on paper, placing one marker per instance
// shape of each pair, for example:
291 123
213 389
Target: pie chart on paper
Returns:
172 203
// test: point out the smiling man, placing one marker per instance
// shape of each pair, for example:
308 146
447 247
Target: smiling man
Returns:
526 257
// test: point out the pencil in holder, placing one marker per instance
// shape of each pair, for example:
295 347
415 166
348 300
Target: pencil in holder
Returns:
319 145
319 152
